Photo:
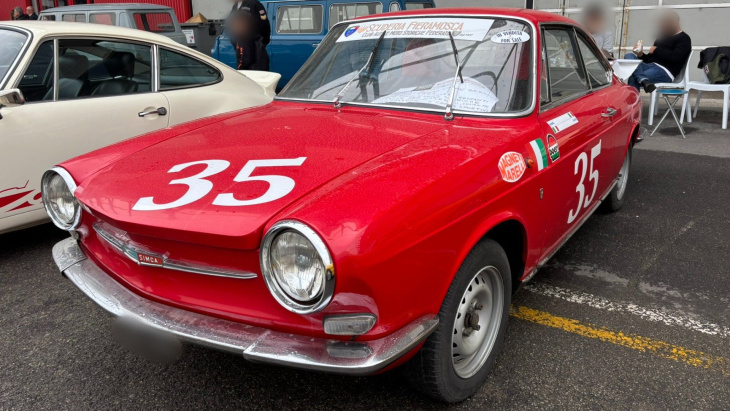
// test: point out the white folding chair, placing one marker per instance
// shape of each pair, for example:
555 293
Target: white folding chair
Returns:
702 86
680 82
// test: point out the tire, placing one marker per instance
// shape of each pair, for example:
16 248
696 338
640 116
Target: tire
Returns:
444 369
617 197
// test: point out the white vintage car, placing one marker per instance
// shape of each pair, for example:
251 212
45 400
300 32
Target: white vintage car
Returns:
70 88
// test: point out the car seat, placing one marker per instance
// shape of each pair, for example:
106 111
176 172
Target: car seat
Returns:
120 67
73 77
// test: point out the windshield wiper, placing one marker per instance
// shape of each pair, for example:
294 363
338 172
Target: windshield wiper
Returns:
450 105
367 67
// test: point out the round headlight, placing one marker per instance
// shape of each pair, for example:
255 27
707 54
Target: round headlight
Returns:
297 267
57 188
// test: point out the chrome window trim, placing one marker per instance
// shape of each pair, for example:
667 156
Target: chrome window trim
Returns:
16 63
71 184
324 254
132 252
533 71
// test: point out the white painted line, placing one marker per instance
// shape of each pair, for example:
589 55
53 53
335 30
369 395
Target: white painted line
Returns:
649 314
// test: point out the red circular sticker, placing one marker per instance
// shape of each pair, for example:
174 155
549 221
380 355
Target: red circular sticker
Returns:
512 167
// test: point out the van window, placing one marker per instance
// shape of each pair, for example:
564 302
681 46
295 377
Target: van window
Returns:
342 12
417 5
299 19
77 18
109 19
394 7
156 22
48 17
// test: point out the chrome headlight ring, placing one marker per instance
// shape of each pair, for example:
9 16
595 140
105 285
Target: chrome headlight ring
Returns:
73 223
328 287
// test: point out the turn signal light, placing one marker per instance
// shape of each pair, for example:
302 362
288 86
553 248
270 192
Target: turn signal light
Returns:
357 324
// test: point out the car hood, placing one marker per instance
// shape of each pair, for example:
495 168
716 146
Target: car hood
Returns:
330 143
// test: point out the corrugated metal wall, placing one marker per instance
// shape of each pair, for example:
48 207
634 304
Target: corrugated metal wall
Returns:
183 8
7 5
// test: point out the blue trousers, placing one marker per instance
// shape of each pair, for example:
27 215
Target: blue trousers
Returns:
647 71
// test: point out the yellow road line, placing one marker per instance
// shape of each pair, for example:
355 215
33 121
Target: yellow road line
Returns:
636 342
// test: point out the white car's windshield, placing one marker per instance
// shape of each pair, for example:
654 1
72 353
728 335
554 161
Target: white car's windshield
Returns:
413 65
11 42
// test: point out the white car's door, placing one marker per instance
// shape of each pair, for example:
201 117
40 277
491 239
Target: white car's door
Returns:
196 89
102 95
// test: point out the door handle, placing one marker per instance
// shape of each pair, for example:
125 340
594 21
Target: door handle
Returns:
160 112
610 112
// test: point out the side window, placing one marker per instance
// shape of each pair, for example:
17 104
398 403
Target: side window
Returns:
564 69
48 17
179 71
37 81
109 19
598 75
342 12
74 18
394 7
299 19
154 22
415 5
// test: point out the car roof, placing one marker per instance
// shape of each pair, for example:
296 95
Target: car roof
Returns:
42 29
109 6
534 16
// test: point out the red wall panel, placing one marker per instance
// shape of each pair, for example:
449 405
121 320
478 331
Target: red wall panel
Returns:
7 5
183 8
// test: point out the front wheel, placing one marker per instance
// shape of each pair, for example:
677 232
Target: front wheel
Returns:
456 359
617 197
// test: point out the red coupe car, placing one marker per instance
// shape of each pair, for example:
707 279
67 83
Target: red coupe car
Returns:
381 212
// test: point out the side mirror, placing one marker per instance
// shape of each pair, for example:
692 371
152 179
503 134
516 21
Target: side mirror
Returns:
11 98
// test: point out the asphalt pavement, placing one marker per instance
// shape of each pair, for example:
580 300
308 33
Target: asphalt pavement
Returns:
633 313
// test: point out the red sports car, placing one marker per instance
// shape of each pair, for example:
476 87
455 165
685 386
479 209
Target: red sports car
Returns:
380 212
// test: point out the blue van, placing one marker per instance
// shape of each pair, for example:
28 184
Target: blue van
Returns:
297 27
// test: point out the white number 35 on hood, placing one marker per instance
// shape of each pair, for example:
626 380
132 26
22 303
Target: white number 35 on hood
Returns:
199 187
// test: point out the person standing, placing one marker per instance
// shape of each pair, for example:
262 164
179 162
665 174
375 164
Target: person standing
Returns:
666 59
595 22
252 32
31 13
18 14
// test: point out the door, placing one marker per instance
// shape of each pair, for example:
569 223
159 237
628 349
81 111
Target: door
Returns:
576 135
101 89
297 30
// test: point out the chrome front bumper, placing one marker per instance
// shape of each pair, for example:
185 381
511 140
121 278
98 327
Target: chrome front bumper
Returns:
255 343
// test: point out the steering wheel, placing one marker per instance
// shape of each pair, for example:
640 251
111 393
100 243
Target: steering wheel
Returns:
495 87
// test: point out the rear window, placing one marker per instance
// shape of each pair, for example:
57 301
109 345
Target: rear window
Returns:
342 12
155 22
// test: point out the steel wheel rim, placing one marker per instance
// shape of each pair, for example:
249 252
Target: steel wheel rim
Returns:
623 177
470 347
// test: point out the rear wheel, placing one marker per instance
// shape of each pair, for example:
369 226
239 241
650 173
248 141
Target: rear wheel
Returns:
457 357
616 198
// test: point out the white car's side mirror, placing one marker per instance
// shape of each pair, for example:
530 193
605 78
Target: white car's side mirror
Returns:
11 98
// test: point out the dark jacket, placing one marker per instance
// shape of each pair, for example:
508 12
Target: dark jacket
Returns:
22 17
671 52
709 54
33 17
258 11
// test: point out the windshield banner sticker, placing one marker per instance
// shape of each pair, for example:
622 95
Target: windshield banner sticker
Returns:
511 37
432 28
471 96
563 122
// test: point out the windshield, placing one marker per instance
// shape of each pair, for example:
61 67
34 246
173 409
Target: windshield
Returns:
11 43
415 64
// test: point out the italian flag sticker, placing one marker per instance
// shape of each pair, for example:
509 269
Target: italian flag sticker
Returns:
541 158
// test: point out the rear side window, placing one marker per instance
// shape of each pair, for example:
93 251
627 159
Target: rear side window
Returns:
564 67
109 19
417 5
299 19
154 22
74 18
179 71
342 12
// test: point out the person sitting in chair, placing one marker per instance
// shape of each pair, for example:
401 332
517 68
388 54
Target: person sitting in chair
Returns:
666 59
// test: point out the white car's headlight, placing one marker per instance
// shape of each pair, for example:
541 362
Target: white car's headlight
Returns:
297 267
58 189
